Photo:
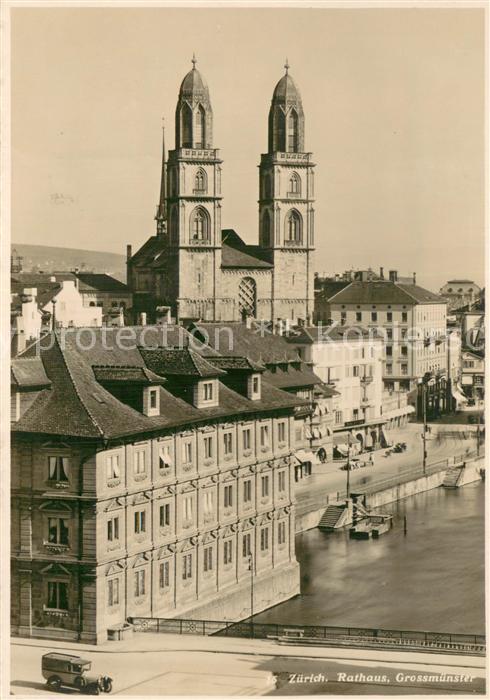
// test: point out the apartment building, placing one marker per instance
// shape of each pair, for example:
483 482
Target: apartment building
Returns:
412 320
149 478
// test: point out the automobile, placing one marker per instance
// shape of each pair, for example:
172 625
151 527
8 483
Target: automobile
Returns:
354 463
73 672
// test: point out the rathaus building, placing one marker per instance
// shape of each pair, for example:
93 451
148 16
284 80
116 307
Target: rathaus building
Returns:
192 268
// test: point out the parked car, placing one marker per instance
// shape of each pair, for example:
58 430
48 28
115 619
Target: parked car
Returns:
73 672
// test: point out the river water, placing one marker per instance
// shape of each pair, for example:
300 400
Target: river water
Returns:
430 579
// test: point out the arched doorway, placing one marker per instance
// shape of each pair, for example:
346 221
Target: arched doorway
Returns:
247 297
360 439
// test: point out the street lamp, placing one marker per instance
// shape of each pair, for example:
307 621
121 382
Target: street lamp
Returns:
251 569
425 380
348 467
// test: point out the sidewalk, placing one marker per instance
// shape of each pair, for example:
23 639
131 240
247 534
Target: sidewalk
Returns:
146 642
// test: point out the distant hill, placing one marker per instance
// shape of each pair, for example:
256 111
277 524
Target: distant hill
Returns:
50 259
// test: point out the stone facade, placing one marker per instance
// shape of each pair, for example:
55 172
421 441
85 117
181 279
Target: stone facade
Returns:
198 271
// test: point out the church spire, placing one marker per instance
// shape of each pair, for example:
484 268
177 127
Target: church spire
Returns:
161 215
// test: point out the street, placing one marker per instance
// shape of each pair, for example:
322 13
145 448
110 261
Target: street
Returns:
172 665
443 442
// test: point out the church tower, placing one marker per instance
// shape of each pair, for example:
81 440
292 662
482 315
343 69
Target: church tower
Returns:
286 214
193 197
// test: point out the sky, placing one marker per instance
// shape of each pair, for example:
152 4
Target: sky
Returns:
394 110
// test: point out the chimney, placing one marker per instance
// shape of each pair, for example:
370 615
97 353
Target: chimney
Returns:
382 273
52 278
142 318
393 275
129 251
414 276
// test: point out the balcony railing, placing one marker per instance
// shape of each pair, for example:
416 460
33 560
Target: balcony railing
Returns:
293 244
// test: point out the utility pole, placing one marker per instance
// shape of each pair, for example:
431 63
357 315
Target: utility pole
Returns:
478 435
348 467
424 435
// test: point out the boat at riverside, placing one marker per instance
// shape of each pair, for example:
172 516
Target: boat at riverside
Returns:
371 526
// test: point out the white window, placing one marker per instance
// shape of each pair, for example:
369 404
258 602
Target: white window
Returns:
187 566
112 467
247 491
57 531
227 552
140 521
281 431
165 515
208 391
164 457
139 465
139 583
264 436
58 468
208 502
228 443
187 452
188 508
281 533
228 496
164 574
208 558
265 486
247 439
113 529
113 591
264 539
281 481
208 447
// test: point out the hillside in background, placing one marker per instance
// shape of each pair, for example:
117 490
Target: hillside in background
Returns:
50 259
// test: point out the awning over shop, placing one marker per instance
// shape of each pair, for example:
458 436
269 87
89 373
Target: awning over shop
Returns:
344 439
458 395
304 456
405 411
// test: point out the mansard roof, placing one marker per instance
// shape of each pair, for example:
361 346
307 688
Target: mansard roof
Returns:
179 362
77 405
28 373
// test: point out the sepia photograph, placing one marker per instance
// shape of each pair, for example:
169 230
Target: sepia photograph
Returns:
244 248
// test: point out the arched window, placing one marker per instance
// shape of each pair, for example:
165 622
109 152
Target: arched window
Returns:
293 227
294 184
200 182
200 229
247 297
186 126
292 141
200 132
266 228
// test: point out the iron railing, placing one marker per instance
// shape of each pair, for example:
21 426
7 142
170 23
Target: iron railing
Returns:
357 636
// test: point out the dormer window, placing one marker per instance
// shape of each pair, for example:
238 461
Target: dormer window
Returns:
151 401
254 387
206 393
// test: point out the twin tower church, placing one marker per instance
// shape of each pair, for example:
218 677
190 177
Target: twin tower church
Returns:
193 269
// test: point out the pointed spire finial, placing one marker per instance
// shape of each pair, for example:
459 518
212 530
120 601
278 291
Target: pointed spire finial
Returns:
194 61
286 65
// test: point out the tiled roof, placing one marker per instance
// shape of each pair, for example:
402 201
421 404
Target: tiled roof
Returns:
324 333
232 362
421 295
149 251
384 292
28 373
78 406
237 254
326 290
100 282
257 343
178 362
292 378
114 373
